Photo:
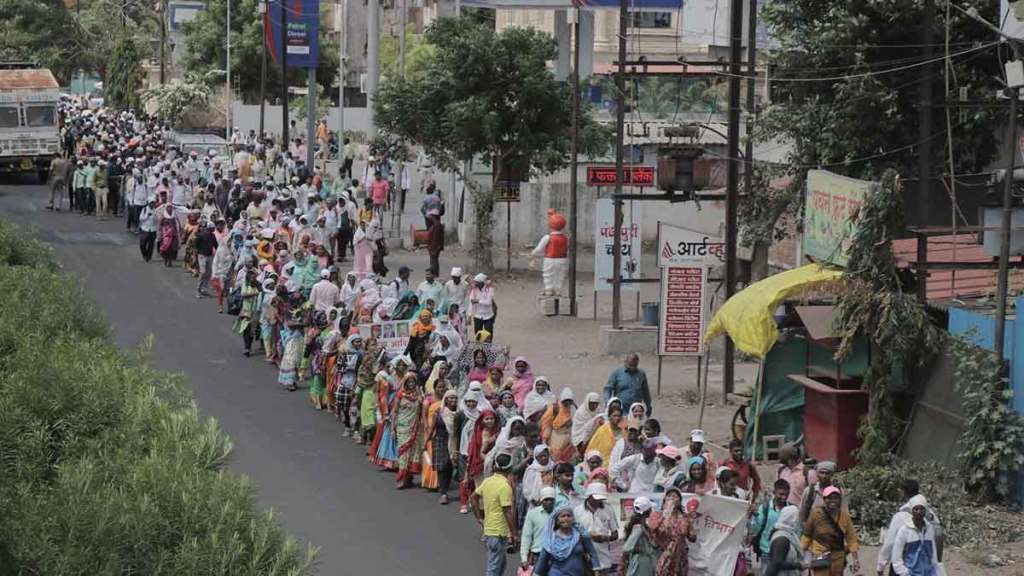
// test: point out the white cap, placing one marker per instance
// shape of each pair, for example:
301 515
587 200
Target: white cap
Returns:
697 435
457 272
325 273
548 492
481 277
597 491
642 504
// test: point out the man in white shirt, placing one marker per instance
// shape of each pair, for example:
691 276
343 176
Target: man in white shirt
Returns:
601 524
325 293
481 303
635 474
456 291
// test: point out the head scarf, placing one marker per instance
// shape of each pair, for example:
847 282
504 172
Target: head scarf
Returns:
386 309
505 444
634 405
472 415
585 420
435 373
476 456
787 526
448 415
423 325
556 545
537 402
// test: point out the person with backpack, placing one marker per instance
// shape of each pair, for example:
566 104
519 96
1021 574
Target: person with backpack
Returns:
759 535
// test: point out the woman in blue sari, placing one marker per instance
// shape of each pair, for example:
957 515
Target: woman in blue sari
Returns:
566 547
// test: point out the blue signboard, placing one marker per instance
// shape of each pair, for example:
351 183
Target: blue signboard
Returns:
303 18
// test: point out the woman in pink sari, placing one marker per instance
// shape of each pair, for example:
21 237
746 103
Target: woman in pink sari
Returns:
169 234
364 248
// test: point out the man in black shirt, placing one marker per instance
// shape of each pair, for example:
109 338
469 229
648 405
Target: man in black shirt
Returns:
206 242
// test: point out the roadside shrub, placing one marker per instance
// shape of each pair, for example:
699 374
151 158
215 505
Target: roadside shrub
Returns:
105 465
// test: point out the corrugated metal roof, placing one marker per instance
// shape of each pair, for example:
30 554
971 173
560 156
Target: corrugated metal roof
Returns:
947 284
27 80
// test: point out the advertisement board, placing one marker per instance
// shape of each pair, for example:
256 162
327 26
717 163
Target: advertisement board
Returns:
683 290
303 29
604 241
831 202
678 246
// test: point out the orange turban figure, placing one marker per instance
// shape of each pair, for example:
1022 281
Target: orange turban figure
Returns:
554 246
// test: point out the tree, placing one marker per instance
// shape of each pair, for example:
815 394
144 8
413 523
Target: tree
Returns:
861 117
490 95
178 97
205 50
417 54
124 77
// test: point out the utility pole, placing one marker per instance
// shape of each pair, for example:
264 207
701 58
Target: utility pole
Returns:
263 67
1003 281
163 40
342 39
924 150
228 96
402 18
732 175
284 74
574 210
310 117
372 59
620 129
748 167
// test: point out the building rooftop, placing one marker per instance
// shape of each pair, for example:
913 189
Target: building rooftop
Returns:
956 284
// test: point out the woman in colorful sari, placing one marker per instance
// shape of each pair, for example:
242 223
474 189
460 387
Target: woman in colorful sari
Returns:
587 418
440 439
538 400
479 371
364 249
419 338
269 320
349 357
673 531
556 427
522 380
438 374
481 442
385 443
188 240
291 340
333 344
495 381
408 305
538 475
315 337
470 409
170 232
506 408
607 434
512 441
372 364
408 429
431 404
246 321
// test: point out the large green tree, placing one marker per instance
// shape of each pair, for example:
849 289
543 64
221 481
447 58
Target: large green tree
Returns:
206 50
66 40
490 95
845 96
124 76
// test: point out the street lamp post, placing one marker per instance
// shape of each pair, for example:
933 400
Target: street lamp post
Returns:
227 98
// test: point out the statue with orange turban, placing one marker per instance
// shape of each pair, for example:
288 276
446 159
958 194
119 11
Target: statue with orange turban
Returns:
554 246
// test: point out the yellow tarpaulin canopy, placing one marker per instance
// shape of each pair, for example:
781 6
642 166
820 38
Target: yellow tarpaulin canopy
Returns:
749 316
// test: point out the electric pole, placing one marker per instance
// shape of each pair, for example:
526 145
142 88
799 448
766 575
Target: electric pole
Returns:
732 175
284 75
574 171
620 129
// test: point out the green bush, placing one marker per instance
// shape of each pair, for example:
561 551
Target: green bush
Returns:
105 465
873 496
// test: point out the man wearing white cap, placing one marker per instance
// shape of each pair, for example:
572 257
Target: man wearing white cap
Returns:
601 524
696 448
325 294
533 527
482 305
456 291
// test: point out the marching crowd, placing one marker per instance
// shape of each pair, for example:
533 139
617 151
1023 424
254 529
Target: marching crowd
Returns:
271 239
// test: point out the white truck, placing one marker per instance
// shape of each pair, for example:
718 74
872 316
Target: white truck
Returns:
29 132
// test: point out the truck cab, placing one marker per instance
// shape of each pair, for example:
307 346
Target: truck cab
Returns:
29 131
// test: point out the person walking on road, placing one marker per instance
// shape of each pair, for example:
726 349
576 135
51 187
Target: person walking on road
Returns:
628 383
58 182
482 306
205 245
435 243
147 229
492 505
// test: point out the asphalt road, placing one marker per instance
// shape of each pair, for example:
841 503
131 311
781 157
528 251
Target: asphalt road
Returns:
321 486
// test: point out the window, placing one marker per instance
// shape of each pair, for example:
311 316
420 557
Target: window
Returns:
8 117
40 116
657 20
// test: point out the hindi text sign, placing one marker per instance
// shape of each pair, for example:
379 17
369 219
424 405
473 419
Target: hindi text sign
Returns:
831 202
604 240
683 293
633 175
678 246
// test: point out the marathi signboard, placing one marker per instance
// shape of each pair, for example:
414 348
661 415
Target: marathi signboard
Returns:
604 245
682 311
633 175
679 246
831 202
393 335
303 29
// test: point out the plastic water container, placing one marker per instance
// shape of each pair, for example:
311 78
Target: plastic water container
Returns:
649 314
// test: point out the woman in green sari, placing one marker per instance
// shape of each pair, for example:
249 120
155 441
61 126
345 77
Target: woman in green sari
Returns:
408 427
366 377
